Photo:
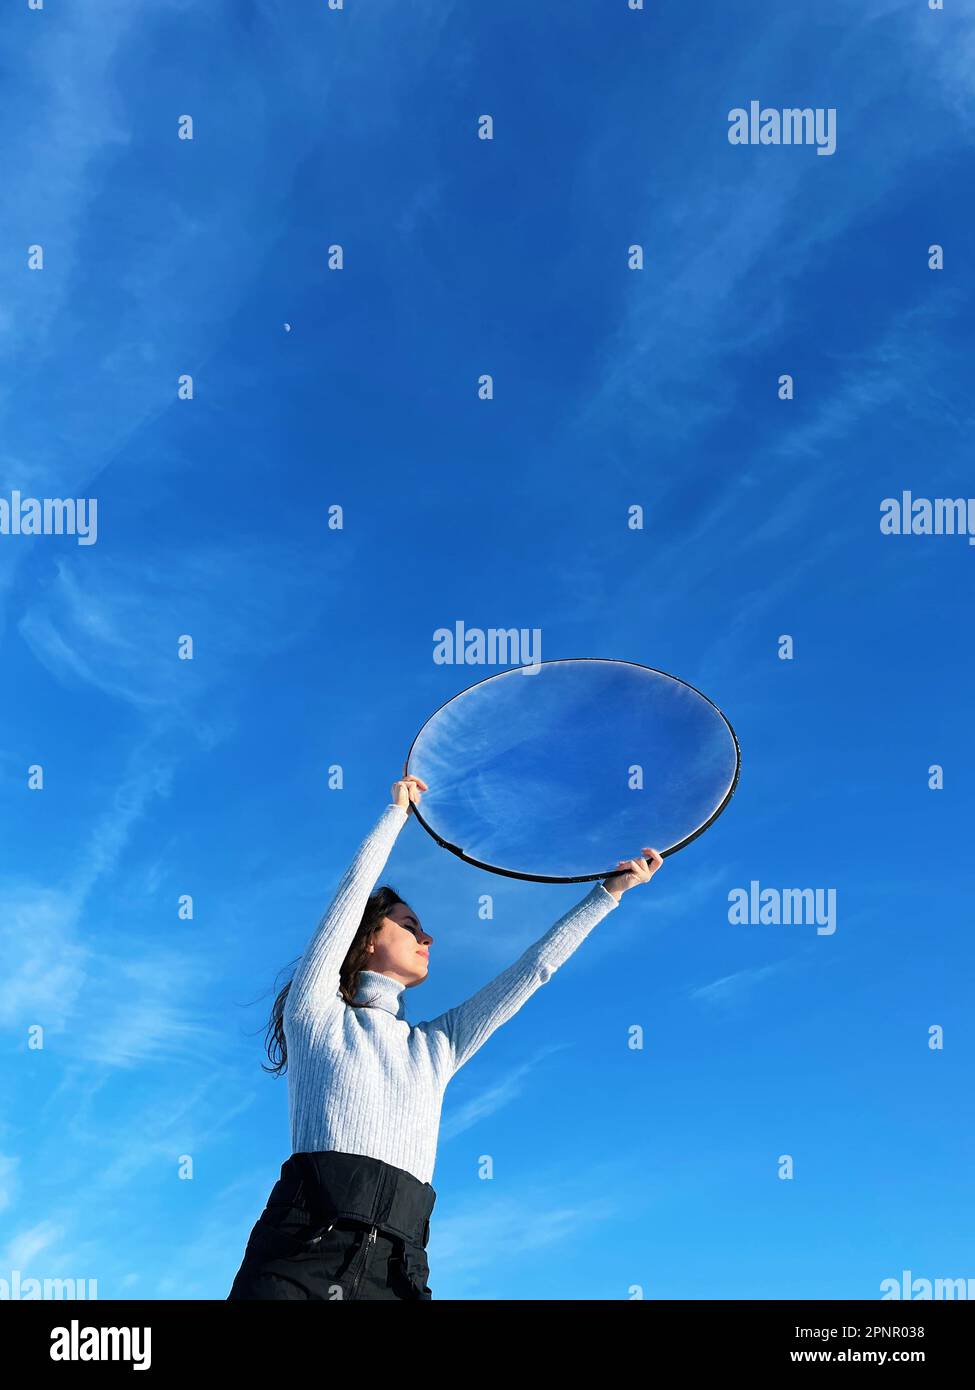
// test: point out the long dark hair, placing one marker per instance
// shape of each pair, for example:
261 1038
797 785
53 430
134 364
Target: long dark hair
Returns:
377 906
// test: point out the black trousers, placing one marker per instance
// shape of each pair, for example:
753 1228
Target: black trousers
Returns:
339 1226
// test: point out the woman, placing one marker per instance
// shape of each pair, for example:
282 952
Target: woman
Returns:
350 1215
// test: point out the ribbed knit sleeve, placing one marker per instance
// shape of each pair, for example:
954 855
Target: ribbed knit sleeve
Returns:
316 981
467 1026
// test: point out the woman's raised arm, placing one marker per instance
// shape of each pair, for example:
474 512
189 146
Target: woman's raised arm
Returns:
316 981
468 1026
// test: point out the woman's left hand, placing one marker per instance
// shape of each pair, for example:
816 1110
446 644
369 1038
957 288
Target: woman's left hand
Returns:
631 872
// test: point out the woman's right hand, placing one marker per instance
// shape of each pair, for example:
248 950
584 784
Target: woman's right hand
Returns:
408 789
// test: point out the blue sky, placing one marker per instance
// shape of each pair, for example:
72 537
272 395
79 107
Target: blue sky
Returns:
614 1169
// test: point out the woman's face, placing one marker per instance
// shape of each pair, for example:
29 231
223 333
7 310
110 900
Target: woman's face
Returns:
401 948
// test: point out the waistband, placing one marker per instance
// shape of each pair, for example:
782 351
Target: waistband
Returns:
332 1186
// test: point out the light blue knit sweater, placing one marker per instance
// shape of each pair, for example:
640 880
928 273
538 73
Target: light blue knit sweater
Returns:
367 1081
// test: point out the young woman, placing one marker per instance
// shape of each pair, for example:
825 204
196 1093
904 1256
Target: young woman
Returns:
349 1217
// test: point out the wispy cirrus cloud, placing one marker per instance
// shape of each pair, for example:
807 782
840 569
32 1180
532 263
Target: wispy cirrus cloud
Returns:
493 1097
46 956
730 989
9 1179
489 1232
44 960
99 1158
118 627
678 353
32 1242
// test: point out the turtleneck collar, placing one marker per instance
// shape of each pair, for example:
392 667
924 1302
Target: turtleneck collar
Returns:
381 992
